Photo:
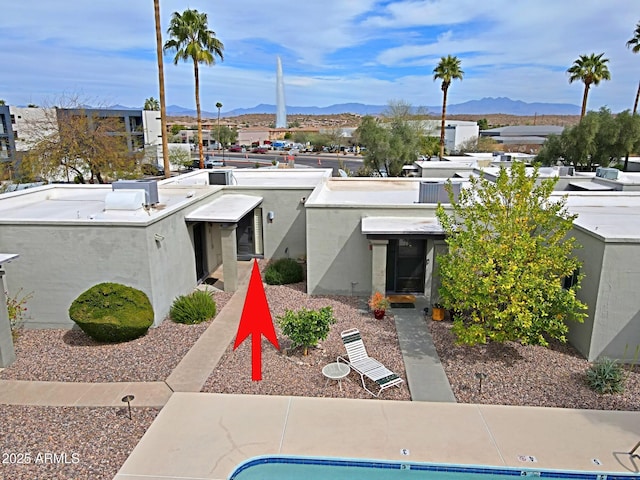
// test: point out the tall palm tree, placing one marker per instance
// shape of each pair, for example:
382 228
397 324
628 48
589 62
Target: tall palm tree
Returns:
218 106
589 69
447 70
163 103
634 45
192 40
151 104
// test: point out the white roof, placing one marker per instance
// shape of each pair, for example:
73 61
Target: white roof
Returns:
226 209
7 257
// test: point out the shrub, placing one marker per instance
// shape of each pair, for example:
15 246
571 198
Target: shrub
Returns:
16 308
606 376
283 271
111 312
193 308
306 327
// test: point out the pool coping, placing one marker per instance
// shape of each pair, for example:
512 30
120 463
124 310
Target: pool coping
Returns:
206 436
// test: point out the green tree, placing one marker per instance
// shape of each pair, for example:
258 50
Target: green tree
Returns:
392 141
447 70
590 70
2 102
600 139
634 45
175 129
180 157
509 254
193 41
226 135
151 104
483 124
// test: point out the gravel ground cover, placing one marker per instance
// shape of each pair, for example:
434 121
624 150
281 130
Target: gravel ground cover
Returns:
526 375
71 356
57 443
289 372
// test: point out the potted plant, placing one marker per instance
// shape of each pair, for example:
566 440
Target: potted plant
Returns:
438 312
379 304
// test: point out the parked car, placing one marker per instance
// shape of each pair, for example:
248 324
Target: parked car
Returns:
236 148
208 163
259 150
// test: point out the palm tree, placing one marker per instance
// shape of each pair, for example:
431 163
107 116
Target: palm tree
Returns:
634 45
163 104
589 69
218 106
192 40
447 70
151 104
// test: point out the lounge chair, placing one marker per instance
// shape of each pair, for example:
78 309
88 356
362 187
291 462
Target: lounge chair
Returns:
366 366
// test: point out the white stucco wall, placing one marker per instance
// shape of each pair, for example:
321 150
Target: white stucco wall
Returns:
616 331
339 256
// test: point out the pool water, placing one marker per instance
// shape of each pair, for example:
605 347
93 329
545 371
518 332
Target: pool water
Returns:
290 468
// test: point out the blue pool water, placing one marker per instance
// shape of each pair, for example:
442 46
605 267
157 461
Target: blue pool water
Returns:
290 468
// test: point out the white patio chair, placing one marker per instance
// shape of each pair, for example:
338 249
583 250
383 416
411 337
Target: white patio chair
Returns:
364 365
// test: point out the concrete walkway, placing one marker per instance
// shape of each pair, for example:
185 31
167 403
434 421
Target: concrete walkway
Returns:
426 378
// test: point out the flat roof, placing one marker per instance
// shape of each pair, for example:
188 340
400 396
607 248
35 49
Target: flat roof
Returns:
258 177
400 225
610 216
366 191
79 204
592 186
229 208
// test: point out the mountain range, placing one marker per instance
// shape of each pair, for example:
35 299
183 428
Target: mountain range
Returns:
484 106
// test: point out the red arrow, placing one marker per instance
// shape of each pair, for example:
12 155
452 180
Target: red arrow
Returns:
256 321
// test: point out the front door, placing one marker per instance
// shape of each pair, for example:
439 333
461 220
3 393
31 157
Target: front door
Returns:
199 244
406 265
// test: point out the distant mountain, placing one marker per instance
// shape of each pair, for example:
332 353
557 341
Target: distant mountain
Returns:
486 105
510 107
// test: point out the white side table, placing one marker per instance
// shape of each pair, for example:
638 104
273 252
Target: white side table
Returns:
336 371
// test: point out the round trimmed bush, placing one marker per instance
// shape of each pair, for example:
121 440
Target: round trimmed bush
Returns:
193 308
111 312
283 271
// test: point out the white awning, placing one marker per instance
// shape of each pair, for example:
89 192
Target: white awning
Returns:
226 209
591 186
400 226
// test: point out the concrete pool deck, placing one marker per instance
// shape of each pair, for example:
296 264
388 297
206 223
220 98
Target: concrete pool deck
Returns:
205 436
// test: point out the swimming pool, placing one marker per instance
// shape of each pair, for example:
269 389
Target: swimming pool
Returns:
290 468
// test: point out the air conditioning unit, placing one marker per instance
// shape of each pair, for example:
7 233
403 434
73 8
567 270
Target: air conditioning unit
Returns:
436 192
505 158
566 171
150 188
221 177
608 173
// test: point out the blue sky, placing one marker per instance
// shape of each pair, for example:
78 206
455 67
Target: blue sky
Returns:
333 51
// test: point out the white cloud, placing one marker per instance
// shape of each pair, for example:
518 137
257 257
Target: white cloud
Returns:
333 51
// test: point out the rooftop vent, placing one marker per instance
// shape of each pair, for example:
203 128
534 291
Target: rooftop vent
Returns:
124 200
564 171
150 188
436 192
505 158
608 173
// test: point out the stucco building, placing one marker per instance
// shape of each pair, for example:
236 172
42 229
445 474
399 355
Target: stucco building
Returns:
358 235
